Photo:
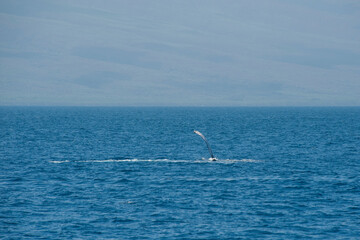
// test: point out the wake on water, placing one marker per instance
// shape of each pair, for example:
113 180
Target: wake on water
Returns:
211 159
226 161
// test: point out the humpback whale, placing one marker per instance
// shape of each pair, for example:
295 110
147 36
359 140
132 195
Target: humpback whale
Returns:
212 158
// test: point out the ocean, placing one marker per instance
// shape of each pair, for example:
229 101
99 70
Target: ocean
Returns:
142 173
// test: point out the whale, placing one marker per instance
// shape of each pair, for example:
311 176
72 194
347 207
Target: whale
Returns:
212 158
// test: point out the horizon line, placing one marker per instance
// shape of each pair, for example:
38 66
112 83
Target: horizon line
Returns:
184 106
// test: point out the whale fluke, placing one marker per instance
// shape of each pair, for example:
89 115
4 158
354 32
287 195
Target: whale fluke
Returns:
212 158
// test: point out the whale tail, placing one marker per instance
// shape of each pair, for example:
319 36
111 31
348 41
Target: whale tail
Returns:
212 158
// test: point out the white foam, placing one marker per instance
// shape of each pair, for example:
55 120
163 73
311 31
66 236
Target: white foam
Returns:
128 160
60 161
249 160
225 161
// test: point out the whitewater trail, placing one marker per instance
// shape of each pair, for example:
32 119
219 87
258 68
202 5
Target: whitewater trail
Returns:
223 161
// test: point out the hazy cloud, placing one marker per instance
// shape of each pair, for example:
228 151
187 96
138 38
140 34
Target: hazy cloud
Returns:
163 52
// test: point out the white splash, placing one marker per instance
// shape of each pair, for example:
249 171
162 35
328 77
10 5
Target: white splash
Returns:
60 161
221 161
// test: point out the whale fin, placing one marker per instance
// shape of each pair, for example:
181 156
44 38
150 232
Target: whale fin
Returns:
207 144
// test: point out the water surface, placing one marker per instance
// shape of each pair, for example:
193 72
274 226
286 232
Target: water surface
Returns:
139 173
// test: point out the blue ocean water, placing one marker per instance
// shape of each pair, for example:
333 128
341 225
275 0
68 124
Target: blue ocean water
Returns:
139 173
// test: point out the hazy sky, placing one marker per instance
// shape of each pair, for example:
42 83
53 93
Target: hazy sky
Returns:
180 53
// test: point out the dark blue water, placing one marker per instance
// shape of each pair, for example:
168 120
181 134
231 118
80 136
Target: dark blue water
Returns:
139 173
